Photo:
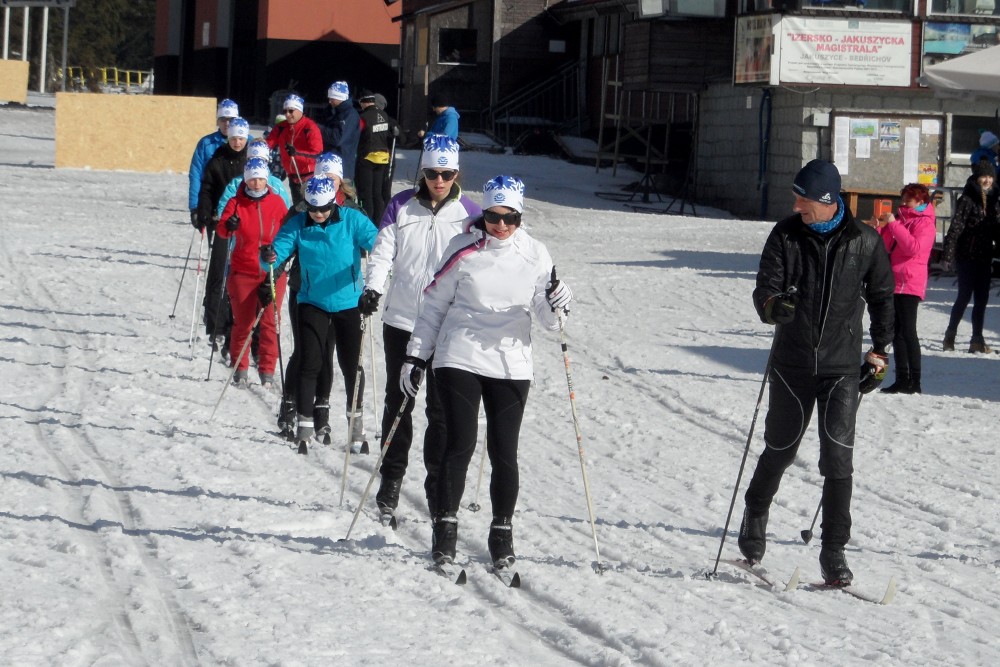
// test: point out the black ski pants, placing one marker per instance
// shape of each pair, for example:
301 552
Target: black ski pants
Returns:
435 437
320 334
974 279
792 397
504 402
369 178
218 316
906 344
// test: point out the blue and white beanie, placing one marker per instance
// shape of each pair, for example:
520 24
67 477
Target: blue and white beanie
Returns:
239 127
256 167
338 90
259 148
320 191
440 152
293 101
227 109
330 163
504 191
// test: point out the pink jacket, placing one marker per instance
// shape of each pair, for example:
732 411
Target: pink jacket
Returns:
909 240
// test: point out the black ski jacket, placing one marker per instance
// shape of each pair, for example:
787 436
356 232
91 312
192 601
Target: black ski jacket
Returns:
974 227
834 275
225 165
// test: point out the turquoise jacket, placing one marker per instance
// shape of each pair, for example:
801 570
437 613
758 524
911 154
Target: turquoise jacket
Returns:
203 152
277 187
329 256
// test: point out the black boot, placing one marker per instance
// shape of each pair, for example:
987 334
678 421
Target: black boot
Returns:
445 538
752 538
833 566
501 541
914 383
387 497
321 416
901 385
949 341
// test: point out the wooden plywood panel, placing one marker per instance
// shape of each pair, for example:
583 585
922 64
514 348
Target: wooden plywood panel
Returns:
150 133
14 81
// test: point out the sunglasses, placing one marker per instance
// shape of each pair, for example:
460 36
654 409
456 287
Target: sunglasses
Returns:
433 174
289 111
513 218
319 209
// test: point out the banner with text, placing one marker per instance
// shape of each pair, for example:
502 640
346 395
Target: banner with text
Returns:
845 51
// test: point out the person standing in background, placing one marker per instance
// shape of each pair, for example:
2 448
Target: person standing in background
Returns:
445 120
292 136
909 238
341 127
378 132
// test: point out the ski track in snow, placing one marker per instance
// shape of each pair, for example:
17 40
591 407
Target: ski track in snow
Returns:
135 530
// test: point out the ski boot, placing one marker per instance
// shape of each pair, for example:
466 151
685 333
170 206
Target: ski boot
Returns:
321 418
833 566
752 538
387 500
267 380
286 418
445 538
305 433
359 441
501 542
241 380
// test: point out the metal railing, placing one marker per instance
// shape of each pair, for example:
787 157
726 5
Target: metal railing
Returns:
552 102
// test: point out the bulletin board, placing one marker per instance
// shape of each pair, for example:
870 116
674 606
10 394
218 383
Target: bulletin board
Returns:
880 153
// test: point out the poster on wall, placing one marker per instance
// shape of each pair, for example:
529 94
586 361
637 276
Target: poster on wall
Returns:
888 135
944 41
844 51
754 40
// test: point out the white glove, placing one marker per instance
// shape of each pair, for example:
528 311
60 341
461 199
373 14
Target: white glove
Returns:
558 294
411 376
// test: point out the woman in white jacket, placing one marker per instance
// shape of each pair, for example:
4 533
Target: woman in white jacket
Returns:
475 319
413 235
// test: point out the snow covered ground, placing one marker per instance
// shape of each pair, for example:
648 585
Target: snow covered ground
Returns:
134 530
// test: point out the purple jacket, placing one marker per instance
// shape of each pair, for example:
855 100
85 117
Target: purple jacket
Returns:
909 240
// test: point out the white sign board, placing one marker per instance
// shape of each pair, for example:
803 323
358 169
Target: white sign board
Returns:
38 3
845 51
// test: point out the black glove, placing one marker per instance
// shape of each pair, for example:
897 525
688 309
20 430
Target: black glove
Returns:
780 308
264 293
233 223
267 255
368 303
873 371
196 220
290 149
412 375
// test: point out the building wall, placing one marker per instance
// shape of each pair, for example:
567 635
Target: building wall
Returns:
729 140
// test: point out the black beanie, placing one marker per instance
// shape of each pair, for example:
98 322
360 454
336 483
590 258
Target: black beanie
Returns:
983 168
439 100
819 181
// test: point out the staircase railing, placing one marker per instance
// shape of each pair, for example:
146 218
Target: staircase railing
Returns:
553 101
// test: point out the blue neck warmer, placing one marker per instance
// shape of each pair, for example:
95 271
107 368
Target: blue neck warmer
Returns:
824 228
920 209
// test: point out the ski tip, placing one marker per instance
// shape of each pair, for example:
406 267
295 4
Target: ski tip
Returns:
890 591
515 581
364 448
462 578
793 583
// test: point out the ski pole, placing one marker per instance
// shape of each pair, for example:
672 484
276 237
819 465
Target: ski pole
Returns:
222 299
181 283
277 327
354 410
381 455
474 506
378 410
197 284
243 351
807 535
600 568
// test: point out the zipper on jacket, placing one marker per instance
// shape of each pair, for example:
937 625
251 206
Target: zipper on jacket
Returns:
823 316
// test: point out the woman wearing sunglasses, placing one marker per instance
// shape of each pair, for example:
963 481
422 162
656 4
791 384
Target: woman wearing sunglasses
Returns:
414 232
475 319
329 240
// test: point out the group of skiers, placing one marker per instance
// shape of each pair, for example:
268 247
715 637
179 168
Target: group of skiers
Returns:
462 283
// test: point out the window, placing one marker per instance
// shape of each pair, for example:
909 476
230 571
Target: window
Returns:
457 46
964 7
863 5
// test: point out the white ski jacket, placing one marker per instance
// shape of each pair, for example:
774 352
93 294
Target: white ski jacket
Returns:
476 314
410 244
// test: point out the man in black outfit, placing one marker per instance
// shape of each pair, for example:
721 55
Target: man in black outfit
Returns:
374 154
818 269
